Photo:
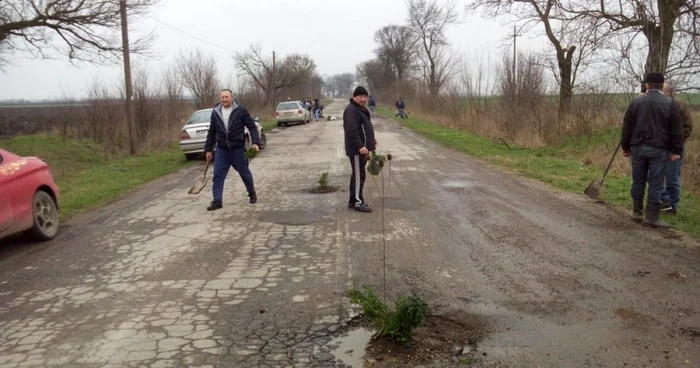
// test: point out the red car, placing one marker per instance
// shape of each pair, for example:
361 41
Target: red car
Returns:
28 197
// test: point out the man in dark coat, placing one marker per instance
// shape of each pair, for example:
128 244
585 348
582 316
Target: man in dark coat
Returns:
652 134
227 130
359 141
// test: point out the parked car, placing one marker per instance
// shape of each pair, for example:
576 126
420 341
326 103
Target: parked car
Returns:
194 134
29 197
292 112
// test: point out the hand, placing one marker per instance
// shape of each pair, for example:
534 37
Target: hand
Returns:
627 153
674 157
208 155
364 151
257 148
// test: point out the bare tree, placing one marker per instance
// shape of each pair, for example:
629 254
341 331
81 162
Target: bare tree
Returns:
397 46
376 75
573 41
429 21
86 29
341 84
670 28
198 74
292 70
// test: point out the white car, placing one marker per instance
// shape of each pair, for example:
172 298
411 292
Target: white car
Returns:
194 134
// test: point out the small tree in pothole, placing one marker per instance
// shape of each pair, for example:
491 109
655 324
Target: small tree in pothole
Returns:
323 185
399 323
408 313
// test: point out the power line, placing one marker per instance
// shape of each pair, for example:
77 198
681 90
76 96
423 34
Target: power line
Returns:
191 35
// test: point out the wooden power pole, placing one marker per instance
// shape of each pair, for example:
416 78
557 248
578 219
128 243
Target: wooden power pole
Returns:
127 79
274 83
514 35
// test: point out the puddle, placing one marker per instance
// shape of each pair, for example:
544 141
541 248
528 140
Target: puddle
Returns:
400 204
351 346
632 317
291 218
457 185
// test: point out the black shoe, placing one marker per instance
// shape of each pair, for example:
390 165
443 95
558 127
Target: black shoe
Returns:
637 215
652 217
665 207
215 205
253 197
363 208
351 205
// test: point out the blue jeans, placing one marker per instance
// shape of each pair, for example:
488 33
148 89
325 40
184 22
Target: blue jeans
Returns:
672 192
648 165
224 158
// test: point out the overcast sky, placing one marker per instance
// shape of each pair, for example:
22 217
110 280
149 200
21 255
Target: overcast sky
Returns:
336 34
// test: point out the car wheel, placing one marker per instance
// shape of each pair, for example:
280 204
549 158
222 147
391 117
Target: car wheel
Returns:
45 216
263 141
190 156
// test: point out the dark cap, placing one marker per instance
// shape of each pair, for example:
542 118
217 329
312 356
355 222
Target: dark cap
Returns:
360 91
656 78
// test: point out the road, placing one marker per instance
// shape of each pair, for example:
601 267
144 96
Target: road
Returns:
155 280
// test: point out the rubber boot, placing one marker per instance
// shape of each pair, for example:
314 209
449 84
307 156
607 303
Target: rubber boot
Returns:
652 218
637 215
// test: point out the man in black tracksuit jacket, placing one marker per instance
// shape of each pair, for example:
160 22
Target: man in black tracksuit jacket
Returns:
359 141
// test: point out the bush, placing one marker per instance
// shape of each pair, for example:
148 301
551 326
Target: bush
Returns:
398 324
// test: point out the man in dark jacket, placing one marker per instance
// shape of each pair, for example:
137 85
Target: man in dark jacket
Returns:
227 130
359 141
672 192
372 103
652 134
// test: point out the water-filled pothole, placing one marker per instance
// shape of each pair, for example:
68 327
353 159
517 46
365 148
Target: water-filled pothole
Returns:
350 346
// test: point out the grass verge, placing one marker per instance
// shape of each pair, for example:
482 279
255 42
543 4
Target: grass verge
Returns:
559 166
87 179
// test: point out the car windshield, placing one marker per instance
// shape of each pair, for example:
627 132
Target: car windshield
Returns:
203 116
287 106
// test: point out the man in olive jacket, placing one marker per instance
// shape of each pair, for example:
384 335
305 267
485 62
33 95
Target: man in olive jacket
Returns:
652 134
672 192
359 141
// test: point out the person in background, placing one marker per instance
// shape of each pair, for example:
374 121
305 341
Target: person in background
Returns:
672 191
652 135
401 107
317 109
359 142
372 104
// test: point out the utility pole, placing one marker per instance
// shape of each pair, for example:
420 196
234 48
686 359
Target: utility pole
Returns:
514 35
127 78
274 82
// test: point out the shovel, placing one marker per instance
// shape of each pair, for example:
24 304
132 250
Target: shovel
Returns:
201 182
595 188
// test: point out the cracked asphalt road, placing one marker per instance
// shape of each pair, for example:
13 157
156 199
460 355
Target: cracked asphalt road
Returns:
154 280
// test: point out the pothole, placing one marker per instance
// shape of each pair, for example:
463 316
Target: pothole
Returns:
324 190
291 218
348 347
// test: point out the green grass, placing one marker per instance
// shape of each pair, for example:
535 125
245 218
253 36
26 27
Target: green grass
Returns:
87 179
558 166
268 124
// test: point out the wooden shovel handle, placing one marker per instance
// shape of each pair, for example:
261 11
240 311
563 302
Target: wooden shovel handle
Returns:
205 169
611 161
